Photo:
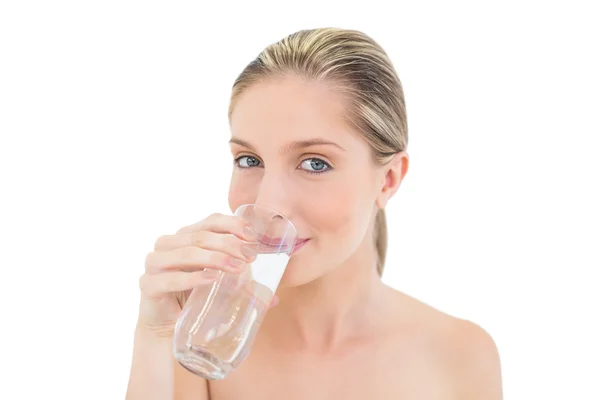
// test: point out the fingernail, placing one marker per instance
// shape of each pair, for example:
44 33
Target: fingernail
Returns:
248 252
250 233
236 262
210 274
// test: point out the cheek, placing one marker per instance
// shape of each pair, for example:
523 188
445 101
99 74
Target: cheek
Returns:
242 190
340 210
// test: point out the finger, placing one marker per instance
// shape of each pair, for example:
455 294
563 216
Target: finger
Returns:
228 244
274 301
220 223
191 258
155 286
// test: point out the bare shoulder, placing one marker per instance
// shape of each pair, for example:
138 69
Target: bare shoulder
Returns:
475 360
465 350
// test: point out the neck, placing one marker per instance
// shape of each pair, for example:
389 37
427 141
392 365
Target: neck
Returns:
332 309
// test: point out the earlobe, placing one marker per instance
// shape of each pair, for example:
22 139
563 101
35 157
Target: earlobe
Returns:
394 174
384 192
381 201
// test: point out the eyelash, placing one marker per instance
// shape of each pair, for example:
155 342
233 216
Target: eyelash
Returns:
327 169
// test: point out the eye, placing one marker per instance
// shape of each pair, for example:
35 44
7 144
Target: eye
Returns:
310 165
246 162
315 165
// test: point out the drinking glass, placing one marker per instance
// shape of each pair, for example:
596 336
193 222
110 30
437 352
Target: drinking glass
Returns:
219 321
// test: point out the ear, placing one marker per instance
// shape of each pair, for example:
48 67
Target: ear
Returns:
393 173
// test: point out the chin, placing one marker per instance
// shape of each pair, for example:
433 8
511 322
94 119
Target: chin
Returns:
292 277
298 272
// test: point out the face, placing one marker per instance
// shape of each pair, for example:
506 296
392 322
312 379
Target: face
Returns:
294 152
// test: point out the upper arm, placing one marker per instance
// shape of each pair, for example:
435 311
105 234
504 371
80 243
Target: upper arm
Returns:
477 363
188 386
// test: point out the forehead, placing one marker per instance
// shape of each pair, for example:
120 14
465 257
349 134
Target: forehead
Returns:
291 108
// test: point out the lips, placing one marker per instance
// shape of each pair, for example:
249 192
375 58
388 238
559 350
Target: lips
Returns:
269 241
278 243
299 244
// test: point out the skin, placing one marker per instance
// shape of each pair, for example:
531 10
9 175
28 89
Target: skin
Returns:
338 331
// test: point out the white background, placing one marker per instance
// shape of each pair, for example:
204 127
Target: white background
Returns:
114 131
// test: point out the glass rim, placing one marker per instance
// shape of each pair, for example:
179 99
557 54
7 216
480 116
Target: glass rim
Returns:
272 211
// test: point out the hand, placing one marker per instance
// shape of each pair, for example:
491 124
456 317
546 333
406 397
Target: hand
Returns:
189 259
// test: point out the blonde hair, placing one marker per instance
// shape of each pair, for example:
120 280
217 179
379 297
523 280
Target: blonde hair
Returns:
362 71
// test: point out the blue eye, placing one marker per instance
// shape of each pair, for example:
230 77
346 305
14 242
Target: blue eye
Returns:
310 165
316 165
246 162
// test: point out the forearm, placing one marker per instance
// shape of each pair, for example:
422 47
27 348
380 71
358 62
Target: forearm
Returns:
151 376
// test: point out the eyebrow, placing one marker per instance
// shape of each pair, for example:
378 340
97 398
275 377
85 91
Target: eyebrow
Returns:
293 146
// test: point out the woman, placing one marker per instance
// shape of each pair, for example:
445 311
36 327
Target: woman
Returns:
319 133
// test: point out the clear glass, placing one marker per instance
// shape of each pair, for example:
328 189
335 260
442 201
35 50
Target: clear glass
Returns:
219 321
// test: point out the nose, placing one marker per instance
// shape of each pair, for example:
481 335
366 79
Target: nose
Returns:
272 194
273 216
272 226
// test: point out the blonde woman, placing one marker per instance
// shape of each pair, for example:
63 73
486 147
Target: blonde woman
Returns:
319 133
